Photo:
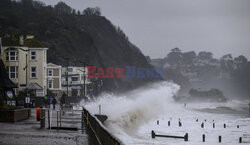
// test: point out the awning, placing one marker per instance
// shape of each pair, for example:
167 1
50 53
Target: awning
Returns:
34 86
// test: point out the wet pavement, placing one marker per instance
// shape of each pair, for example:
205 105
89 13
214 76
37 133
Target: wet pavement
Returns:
28 132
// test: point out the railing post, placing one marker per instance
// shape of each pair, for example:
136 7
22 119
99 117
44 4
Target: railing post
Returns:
82 119
60 118
49 119
42 116
87 119
57 119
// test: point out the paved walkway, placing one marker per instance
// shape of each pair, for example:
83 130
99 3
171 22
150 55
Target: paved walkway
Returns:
28 132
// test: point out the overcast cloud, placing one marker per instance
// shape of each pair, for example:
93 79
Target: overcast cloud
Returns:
157 26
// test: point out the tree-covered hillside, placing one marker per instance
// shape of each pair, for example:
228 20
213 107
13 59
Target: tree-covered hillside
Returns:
80 36
203 71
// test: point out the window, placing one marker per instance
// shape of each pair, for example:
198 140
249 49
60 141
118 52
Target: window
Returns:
50 72
11 56
12 71
74 78
33 55
33 72
70 69
50 84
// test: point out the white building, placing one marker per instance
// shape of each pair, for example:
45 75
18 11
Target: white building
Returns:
73 80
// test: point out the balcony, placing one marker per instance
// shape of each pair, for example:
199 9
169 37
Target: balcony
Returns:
75 82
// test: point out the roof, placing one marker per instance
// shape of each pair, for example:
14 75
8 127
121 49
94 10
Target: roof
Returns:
10 41
5 82
52 65
14 41
33 43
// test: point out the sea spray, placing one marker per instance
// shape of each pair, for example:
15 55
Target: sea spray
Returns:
128 112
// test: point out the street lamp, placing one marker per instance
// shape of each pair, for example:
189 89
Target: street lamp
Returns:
84 77
67 74
26 68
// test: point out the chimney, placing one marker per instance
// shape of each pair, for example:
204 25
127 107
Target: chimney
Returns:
21 40
29 36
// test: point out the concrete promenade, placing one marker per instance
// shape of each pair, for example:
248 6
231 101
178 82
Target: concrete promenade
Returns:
28 132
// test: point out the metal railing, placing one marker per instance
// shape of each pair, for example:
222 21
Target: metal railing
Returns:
95 129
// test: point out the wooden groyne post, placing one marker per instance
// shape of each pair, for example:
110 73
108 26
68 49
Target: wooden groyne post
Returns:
185 137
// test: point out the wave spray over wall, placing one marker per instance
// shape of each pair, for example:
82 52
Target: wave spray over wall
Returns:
128 112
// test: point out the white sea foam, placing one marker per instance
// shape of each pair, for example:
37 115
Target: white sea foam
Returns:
132 116
130 111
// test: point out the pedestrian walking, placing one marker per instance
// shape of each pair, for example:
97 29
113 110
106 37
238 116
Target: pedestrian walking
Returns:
54 103
45 101
48 100
62 101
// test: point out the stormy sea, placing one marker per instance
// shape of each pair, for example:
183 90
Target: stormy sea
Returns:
132 117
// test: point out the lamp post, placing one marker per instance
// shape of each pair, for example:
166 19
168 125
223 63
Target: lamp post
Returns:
26 68
100 84
67 73
84 77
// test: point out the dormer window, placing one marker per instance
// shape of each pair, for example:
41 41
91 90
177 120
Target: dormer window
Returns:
33 55
11 56
50 72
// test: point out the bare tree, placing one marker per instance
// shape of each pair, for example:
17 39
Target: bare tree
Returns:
92 11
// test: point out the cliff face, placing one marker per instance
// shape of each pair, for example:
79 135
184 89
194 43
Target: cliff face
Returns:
81 38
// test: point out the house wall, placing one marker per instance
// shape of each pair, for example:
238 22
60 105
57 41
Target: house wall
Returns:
39 63
56 78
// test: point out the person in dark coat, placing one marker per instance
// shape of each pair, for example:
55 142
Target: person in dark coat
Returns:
48 101
62 101
54 103
45 101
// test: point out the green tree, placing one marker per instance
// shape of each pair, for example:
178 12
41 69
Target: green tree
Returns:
188 57
23 93
175 57
205 55
240 61
63 8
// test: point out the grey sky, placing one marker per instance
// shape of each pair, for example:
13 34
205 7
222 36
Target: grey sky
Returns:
157 26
